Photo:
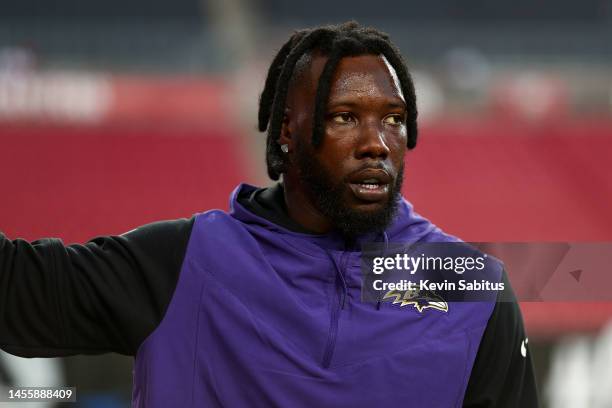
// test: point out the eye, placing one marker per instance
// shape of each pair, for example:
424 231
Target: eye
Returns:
343 118
394 119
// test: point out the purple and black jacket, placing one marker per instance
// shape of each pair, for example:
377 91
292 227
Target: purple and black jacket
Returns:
245 309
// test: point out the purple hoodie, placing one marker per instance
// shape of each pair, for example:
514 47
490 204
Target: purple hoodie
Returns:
259 319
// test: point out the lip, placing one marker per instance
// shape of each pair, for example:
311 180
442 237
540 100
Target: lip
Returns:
382 176
370 194
374 192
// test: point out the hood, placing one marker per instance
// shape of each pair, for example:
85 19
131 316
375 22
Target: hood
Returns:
406 226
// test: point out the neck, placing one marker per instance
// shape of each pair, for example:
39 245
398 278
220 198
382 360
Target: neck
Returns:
302 210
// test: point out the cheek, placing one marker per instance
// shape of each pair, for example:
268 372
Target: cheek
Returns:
337 149
335 156
301 127
397 147
399 137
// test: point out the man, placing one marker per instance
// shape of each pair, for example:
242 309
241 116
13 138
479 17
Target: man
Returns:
261 307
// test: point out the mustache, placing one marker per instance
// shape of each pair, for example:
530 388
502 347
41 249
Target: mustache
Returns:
372 166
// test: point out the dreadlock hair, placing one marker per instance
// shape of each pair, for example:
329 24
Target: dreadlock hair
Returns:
334 42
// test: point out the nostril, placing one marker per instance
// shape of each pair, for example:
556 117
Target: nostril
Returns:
373 154
372 144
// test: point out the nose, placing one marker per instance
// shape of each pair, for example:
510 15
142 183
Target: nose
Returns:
371 143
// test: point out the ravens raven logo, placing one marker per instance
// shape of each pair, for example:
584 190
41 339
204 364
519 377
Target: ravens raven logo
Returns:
420 299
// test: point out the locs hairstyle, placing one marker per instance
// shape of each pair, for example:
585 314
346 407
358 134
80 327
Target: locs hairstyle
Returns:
335 42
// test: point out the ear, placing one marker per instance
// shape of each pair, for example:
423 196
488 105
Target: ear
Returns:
286 130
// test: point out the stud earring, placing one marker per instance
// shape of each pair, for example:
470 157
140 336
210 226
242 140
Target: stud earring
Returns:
285 148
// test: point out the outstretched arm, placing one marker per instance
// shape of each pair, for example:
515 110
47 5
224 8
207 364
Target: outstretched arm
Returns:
104 296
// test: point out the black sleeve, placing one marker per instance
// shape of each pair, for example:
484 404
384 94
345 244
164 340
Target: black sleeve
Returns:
107 295
502 375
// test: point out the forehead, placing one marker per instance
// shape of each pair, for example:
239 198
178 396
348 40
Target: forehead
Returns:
359 76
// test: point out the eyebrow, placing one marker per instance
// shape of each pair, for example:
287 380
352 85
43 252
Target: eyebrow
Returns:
392 105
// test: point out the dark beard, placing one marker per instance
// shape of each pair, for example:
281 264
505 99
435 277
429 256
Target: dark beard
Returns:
330 201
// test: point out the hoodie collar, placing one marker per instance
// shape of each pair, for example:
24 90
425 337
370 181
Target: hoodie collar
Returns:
266 207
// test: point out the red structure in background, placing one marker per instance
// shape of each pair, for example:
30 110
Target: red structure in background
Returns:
486 180
146 148
76 183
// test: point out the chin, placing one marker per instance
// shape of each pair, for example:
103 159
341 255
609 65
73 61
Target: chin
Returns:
368 208
357 205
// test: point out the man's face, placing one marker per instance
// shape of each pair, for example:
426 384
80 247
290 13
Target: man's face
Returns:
354 177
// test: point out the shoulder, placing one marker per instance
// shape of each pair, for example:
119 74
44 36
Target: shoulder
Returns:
409 225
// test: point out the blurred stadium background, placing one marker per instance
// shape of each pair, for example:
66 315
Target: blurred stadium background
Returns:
114 114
